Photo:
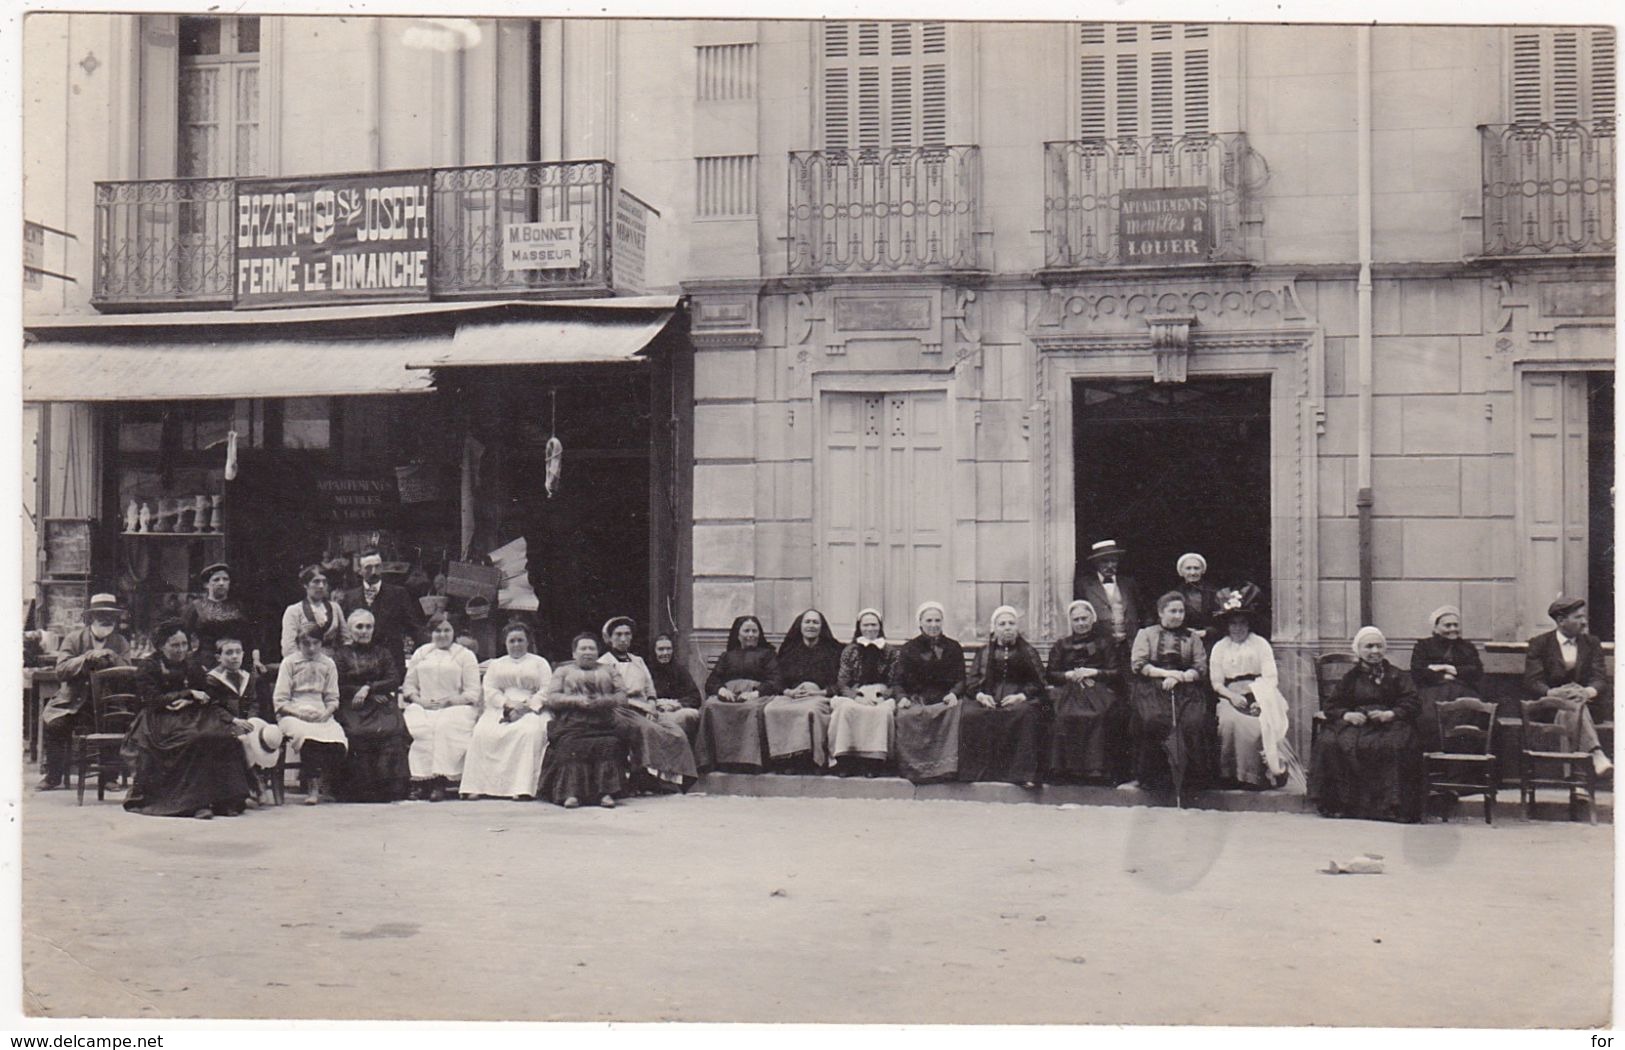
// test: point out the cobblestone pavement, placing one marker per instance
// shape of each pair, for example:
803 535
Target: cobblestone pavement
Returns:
811 910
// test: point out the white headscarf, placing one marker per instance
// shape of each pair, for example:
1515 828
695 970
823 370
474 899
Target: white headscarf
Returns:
1365 633
1084 604
1000 611
880 642
1179 566
1440 613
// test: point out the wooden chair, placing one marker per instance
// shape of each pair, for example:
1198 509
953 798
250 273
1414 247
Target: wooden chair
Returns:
114 706
1329 671
1460 761
1548 756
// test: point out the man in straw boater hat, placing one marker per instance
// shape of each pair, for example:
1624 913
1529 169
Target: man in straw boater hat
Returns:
1569 661
1115 596
94 647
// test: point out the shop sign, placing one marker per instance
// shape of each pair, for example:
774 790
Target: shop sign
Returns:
541 246
333 239
631 243
1164 226
358 499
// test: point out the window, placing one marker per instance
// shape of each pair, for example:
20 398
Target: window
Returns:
219 97
1142 79
885 84
1562 75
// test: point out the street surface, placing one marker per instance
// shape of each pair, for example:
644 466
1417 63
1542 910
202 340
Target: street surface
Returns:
811 910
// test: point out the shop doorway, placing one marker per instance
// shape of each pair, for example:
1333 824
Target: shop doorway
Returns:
1165 468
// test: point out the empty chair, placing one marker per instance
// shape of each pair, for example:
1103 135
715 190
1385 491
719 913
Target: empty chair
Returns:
1458 759
114 703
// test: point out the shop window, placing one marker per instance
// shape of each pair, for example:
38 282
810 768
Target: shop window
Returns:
307 423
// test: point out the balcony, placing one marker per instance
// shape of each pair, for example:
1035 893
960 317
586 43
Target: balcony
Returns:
1158 200
891 210
171 243
1548 188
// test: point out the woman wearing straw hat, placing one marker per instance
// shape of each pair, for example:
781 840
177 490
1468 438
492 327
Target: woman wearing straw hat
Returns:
94 647
1252 713
1367 760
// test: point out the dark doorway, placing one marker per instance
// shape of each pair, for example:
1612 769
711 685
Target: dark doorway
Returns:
1600 464
1165 468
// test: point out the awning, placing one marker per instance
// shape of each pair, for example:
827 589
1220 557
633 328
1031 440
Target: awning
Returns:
546 342
323 351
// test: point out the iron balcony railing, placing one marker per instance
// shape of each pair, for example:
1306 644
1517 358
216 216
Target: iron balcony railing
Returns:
1548 188
172 242
164 241
879 210
1086 184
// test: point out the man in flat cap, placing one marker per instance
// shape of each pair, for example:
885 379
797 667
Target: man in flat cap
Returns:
1570 660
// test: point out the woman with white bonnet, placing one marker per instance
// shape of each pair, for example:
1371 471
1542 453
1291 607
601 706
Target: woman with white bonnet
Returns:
1000 729
860 723
1087 676
928 681
1252 713
1367 759
1201 597
1444 666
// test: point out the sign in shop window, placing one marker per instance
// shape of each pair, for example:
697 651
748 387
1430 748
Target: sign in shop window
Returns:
333 239
1164 226
358 499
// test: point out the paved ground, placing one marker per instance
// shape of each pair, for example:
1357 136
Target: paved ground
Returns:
812 910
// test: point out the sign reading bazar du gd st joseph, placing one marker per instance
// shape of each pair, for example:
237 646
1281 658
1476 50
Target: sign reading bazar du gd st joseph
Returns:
334 238
1165 226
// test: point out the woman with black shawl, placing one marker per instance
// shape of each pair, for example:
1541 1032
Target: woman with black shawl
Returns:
809 666
744 678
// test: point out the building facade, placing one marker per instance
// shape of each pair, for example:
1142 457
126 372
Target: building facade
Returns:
1330 305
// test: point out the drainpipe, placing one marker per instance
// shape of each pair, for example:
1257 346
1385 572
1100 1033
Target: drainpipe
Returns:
373 88
1363 499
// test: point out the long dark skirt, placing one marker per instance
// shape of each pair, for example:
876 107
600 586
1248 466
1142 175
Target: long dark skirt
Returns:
1080 737
658 746
1000 743
732 735
585 758
185 761
1155 712
375 768
927 737
1370 771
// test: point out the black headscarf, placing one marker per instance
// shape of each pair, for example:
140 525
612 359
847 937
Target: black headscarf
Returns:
792 637
740 621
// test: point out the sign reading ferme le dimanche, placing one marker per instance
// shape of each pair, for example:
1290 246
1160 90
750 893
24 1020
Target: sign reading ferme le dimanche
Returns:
330 239
1164 226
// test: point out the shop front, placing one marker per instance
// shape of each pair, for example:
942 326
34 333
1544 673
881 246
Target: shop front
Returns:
272 440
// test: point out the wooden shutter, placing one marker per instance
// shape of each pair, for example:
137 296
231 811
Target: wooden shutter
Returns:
1561 75
1142 80
885 84
1553 516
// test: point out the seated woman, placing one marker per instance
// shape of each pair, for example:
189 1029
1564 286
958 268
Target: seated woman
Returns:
1444 666
1000 734
1086 675
234 689
374 768
305 700
928 680
188 762
732 735
586 745
1367 759
798 722
662 759
316 609
442 694
860 721
1169 700
1252 713
1201 597
677 697
505 751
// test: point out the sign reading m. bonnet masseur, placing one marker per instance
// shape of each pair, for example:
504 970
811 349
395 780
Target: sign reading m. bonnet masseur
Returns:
332 239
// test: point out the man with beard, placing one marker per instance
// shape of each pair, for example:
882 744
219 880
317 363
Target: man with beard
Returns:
91 648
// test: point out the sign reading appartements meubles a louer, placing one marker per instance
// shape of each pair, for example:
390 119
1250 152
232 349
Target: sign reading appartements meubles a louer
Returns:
1163 226
333 239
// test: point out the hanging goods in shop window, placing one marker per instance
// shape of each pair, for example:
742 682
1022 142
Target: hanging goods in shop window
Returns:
231 456
555 450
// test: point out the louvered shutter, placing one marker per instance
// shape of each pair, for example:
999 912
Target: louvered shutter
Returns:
1142 80
885 84
1561 75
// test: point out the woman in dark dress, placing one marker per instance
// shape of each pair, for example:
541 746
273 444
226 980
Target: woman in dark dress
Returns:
1169 695
928 680
188 762
1085 672
1000 733
746 676
374 769
217 615
1444 666
586 746
1367 759
676 693
809 667
1201 597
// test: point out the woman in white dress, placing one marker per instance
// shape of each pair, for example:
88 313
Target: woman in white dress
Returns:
505 752
1252 713
305 699
860 722
442 694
